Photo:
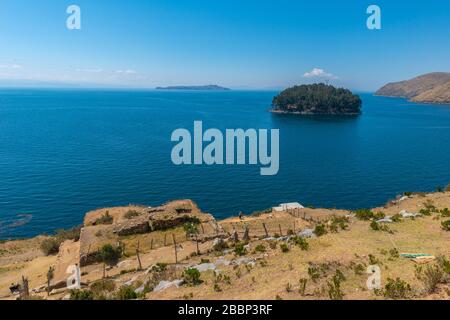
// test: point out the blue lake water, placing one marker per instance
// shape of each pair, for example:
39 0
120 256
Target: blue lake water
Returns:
64 152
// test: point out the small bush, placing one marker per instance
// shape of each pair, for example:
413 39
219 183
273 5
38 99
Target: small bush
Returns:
445 213
447 188
334 287
302 286
110 255
431 276
314 273
284 247
320 230
69 234
397 289
131 214
126 293
103 286
260 248
239 249
50 246
104 219
81 295
302 243
396 217
359 269
190 228
446 225
373 260
379 227
159 267
364 214
191 277
444 264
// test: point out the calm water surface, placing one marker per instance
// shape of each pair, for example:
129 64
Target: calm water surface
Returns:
64 152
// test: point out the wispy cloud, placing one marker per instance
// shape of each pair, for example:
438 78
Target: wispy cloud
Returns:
11 66
128 71
319 73
93 70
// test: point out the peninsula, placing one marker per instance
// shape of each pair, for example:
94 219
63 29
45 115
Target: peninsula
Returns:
429 88
317 99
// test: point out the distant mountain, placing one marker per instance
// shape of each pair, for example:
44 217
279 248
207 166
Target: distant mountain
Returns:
428 88
198 88
318 99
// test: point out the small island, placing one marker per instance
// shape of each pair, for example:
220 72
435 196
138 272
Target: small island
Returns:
317 99
210 87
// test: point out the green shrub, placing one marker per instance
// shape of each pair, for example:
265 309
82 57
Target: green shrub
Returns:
373 260
239 249
284 247
103 286
342 222
431 276
430 206
379 227
375 226
159 267
397 289
104 219
359 269
302 243
260 248
190 228
425 212
445 212
334 287
126 293
50 246
320 230
364 214
447 188
394 254
110 255
314 273
446 225
131 214
69 234
396 217
444 264
81 295
302 286
191 277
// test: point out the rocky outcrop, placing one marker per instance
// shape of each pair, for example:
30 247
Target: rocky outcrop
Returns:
138 225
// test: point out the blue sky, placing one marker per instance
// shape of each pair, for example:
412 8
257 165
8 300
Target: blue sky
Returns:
241 44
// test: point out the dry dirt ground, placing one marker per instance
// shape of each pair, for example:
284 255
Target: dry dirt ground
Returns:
274 274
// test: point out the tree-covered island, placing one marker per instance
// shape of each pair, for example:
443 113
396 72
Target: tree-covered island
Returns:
320 99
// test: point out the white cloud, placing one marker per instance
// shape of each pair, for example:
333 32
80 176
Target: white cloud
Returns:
319 73
11 66
129 71
95 70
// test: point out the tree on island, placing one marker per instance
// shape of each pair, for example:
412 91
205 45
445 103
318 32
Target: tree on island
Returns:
317 99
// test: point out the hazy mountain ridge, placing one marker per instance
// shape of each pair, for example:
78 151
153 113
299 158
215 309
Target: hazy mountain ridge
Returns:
429 88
